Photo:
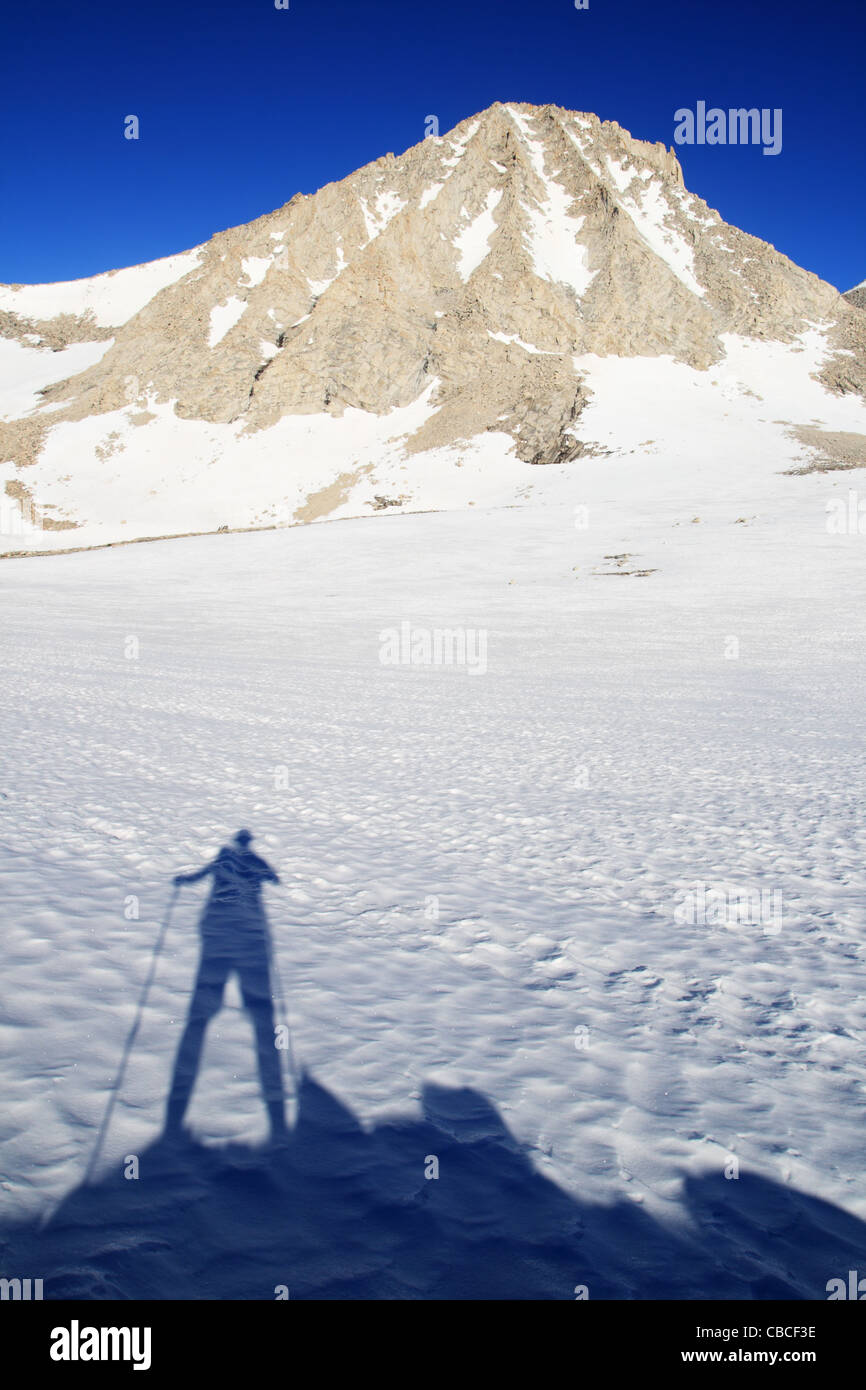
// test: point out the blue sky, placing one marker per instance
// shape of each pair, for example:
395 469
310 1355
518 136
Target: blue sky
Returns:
242 105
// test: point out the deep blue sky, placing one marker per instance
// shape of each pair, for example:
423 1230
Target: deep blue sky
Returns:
242 105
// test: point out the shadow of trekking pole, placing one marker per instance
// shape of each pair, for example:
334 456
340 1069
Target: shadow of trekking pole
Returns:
106 1119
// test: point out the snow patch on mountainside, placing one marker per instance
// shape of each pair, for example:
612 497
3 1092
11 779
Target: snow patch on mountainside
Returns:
510 338
112 298
24 371
472 244
223 318
557 255
649 211
255 268
722 433
430 195
552 240
385 209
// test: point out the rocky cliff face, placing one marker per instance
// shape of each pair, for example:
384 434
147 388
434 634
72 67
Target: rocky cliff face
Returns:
455 284
857 295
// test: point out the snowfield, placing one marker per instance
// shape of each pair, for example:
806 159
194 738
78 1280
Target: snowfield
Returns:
511 926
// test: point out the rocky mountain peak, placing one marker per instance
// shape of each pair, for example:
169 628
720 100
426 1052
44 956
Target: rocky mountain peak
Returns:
459 282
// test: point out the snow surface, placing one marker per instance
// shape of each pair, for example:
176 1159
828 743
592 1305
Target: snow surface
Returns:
112 298
480 878
255 268
483 872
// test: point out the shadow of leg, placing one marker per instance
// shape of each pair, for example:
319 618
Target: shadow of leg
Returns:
256 992
206 1001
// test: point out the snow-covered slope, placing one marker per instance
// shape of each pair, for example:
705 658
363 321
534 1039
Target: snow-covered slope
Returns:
112 298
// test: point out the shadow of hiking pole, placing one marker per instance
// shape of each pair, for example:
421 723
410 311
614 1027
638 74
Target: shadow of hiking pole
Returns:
133 1033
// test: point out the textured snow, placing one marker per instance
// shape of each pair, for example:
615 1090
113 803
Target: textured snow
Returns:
472 244
223 317
112 298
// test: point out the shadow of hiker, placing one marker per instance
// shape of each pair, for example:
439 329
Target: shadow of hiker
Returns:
235 937
340 1212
